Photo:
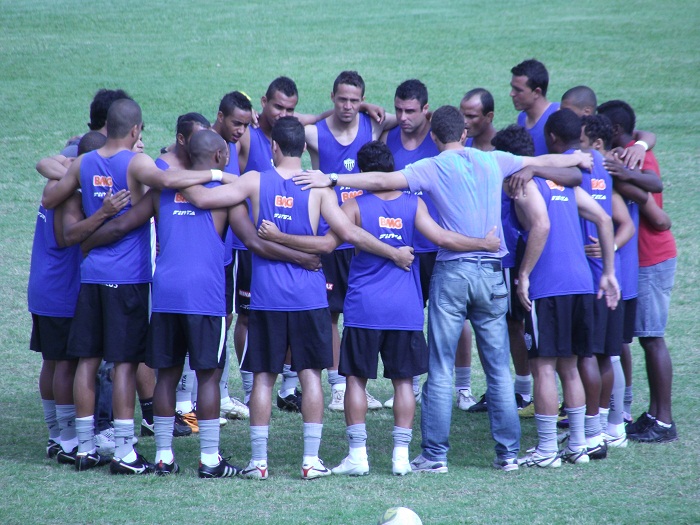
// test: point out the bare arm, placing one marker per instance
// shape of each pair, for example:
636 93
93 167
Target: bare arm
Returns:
624 227
655 215
633 157
644 179
144 169
370 180
307 119
577 158
517 183
224 195
305 243
55 194
53 168
77 228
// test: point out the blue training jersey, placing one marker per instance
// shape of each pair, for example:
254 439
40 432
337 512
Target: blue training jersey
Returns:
537 131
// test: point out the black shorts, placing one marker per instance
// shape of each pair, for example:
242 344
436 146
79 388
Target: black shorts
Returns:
306 332
50 337
404 353
560 326
426 263
228 274
336 267
172 336
244 272
111 322
607 328
628 323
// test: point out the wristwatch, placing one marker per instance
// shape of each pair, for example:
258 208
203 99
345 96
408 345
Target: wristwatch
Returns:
334 179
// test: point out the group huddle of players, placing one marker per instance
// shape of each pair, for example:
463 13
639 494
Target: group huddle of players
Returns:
547 238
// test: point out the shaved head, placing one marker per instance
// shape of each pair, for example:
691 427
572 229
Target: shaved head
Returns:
203 147
122 116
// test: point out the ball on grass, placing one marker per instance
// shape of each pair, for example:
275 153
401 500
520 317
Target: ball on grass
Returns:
399 516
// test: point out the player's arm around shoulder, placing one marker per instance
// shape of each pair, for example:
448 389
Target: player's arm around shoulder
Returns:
55 193
225 195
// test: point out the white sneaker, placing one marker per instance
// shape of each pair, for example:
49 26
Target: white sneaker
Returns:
389 403
615 441
348 467
232 408
313 470
372 402
401 466
223 421
337 400
104 442
535 459
255 470
465 399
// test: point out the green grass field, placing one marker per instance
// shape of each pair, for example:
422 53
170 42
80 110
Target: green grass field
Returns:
175 57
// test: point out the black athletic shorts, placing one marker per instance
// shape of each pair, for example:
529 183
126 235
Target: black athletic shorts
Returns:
111 322
228 274
172 336
560 326
50 337
306 332
244 272
426 263
630 316
404 353
336 267
607 328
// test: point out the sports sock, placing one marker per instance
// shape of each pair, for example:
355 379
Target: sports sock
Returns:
65 414
617 399
49 406
603 413
85 430
247 380
357 441
546 434
289 379
258 442
163 430
336 380
577 433
629 397
523 386
402 437
615 430
183 392
209 441
123 437
592 430
463 378
147 409
312 439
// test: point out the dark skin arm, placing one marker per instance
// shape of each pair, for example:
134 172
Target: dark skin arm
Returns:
516 183
644 179
76 227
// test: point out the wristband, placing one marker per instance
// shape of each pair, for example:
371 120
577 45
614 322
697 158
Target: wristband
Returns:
615 247
642 144
216 175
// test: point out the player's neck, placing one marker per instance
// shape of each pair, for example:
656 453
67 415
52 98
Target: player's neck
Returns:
114 146
536 111
338 127
288 166
415 139
483 141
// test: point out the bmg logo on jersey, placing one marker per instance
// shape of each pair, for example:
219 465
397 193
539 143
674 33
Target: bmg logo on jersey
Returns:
554 186
284 202
349 164
391 223
345 195
598 184
180 198
102 180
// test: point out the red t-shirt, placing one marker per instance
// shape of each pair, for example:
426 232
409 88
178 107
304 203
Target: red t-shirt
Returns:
654 246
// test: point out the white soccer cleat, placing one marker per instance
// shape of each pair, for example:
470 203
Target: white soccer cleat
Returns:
232 408
337 403
372 402
255 470
348 467
314 469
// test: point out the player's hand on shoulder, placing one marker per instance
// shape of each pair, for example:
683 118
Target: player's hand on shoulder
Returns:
633 157
584 159
517 182
312 179
375 112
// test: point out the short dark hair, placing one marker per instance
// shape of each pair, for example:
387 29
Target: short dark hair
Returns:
620 114
448 124
234 100
186 122
204 144
536 73
598 127
412 89
284 85
349 78
100 106
375 156
514 139
564 124
123 115
90 141
485 96
288 133
581 97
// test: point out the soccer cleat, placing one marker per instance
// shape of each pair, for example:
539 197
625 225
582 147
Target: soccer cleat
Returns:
52 448
372 402
104 442
422 464
600 451
147 428
643 422
615 441
223 470
88 460
66 458
575 457
521 403
535 459
190 419
163 469
314 470
348 467
232 408
400 466
139 466
479 406
337 403
465 399
223 421
655 433
255 470
180 428
291 403
506 465
389 403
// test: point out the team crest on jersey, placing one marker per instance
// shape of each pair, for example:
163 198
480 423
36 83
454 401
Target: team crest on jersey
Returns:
180 198
349 164
554 186
391 223
102 180
284 202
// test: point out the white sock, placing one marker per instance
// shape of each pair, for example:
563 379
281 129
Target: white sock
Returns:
166 456
210 460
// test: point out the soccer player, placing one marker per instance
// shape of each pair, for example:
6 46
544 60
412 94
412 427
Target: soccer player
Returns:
477 108
289 307
465 185
657 266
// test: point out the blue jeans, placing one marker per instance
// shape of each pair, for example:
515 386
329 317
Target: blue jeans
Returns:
475 290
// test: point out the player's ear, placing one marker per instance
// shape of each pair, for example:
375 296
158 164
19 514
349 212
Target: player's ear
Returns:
263 101
489 116
220 116
463 138
598 144
180 139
